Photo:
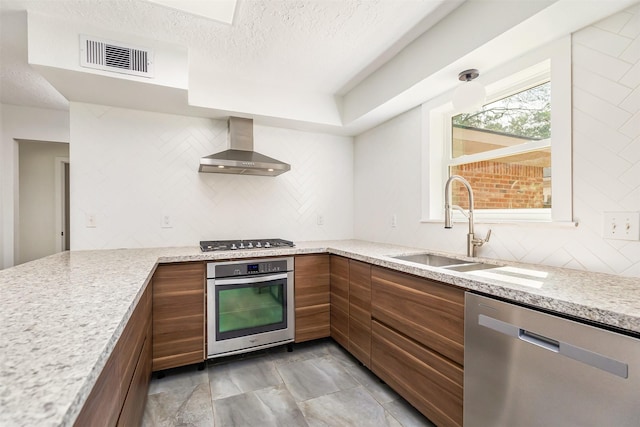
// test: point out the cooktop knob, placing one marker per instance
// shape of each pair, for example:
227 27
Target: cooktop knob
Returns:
233 247
249 245
267 245
241 246
258 245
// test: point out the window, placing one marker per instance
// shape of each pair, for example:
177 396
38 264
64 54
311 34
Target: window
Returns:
504 151
515 152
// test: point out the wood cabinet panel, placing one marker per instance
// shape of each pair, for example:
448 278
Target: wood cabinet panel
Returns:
340 300
178 315
340 283
133 409
340 327
426 311
312 322
360 341
430 382
312 296
360 311
312 273
132 340
102 407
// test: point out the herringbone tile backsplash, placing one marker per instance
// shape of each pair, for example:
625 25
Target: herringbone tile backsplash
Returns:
130 168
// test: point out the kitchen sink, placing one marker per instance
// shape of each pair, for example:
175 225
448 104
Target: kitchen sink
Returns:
447 263
431 260
475 266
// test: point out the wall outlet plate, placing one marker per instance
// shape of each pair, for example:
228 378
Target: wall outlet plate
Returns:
90 220
621 225
166 221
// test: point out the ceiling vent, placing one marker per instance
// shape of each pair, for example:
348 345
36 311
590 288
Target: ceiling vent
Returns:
115 57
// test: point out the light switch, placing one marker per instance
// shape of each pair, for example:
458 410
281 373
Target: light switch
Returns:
621 225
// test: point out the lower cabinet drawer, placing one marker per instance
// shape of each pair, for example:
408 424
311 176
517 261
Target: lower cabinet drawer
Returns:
312 322
428 381
340 327
134 404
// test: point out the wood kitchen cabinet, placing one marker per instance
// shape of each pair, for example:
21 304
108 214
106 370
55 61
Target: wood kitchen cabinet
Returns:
360 311
120 393
178 315
351 306
418 342
311 282
340 300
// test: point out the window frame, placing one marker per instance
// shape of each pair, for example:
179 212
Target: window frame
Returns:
550 63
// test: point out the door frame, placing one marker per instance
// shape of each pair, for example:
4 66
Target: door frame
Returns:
60 214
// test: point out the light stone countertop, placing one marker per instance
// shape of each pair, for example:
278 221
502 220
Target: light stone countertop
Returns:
62 315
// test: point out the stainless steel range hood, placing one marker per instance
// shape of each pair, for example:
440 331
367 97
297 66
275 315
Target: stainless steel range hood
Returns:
240 157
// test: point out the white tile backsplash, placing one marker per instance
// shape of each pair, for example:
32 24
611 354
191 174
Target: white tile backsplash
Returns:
600 63
131 167
607 42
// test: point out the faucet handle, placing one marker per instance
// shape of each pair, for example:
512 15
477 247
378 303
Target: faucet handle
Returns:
486 239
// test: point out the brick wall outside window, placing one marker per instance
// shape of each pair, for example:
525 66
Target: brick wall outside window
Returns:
499 185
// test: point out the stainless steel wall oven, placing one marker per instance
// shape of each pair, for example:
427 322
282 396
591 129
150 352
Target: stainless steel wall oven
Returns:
250 305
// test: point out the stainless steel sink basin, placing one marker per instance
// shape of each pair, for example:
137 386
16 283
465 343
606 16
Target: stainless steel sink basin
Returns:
431 260
446 263
475 266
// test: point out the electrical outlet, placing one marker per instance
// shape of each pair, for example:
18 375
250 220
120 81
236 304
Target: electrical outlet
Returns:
166 221
394 221
320 220
621 225
90 220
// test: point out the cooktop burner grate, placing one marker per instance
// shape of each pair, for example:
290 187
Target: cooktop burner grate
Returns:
234 245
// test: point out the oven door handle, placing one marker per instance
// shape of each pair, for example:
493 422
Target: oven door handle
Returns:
248 280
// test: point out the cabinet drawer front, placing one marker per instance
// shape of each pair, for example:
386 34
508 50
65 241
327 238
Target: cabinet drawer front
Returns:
340 281
175 360
429 312
187 326
428 381
170 278
312 322
173 306
360 274
186 345
340 327
311 280
360 341
133 408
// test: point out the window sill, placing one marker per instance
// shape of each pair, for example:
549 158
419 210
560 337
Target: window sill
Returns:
511 222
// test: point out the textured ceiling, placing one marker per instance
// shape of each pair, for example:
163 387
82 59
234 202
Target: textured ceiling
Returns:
322 46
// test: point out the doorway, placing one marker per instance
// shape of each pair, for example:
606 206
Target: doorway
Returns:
42 220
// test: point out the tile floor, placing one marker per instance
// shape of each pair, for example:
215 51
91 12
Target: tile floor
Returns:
318 384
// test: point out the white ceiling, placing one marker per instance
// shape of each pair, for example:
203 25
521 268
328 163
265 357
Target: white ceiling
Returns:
339 66
294 45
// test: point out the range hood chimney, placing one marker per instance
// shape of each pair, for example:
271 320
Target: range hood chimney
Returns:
240 158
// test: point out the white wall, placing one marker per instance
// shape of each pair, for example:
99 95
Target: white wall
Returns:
38 232
21 123
129 168
606 160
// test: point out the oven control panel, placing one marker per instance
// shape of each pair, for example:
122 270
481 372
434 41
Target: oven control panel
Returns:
248 268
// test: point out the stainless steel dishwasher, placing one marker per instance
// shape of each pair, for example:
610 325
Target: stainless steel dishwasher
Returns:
524 368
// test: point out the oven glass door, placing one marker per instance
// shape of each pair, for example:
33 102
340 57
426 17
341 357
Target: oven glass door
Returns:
250 306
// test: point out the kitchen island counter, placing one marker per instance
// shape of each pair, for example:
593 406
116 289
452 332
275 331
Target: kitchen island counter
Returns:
62 315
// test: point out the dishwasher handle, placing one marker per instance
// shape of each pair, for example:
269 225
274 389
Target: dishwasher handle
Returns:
539 340
580 354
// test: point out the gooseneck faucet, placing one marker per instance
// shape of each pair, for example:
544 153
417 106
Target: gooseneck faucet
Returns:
472 241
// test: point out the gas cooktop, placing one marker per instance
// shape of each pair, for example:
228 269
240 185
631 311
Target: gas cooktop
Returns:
234 245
